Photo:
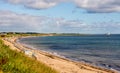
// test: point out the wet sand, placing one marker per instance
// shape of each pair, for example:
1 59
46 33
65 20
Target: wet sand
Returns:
62 65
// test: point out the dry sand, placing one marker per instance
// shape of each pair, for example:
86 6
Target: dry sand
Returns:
60 64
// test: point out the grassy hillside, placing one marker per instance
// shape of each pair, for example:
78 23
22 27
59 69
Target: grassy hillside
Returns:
14 62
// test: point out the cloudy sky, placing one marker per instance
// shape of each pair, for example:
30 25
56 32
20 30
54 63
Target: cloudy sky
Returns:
60 16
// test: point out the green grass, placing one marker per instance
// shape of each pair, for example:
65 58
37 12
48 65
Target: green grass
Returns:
14 62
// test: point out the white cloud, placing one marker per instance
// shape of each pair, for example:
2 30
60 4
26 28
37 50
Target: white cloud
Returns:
10 21
36 4
97 6
20 21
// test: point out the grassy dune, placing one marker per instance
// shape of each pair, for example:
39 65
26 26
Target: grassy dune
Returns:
14 62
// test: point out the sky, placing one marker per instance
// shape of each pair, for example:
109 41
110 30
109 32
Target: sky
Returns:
60 16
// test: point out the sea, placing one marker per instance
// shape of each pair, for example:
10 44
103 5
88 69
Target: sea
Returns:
98 50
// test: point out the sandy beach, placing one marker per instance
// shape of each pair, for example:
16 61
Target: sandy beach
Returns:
60 64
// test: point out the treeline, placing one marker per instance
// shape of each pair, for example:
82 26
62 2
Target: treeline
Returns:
9 34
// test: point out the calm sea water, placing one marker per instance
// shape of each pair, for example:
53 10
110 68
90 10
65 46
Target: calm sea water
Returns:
100 50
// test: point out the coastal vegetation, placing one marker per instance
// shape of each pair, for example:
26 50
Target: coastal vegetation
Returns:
21 34
15 62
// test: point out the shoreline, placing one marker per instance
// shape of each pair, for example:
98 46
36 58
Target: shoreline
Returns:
62 65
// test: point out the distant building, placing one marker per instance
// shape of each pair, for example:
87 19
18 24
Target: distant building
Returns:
3 34
11 33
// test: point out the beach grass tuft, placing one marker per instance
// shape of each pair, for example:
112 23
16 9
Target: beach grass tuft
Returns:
15 62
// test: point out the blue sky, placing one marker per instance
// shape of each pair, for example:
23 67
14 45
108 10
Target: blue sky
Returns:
60 16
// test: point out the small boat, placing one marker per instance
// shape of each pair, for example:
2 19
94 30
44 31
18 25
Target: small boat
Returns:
108 34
